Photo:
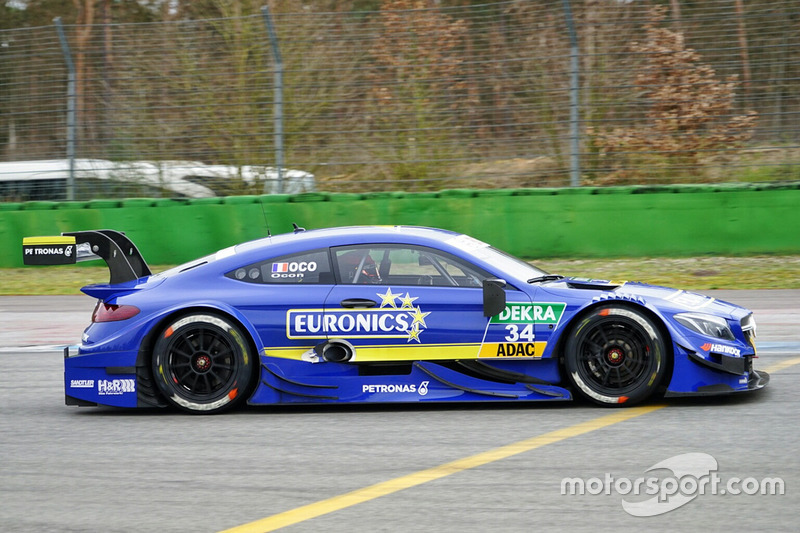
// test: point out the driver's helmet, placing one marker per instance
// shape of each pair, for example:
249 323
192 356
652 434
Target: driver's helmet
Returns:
348 268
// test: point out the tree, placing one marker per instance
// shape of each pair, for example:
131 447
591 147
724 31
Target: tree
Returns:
689 110
416 84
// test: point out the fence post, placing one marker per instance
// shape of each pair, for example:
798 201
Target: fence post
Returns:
278 104
574 100
71 101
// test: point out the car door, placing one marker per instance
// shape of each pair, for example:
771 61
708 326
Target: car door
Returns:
406 303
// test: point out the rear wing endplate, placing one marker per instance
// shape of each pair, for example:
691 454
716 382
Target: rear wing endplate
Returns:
124 261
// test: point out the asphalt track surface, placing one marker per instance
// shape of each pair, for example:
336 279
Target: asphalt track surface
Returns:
386 468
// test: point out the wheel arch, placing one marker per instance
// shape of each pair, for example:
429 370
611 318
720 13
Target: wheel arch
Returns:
147 344
655 317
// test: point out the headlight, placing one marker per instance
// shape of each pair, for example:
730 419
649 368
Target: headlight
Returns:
710 325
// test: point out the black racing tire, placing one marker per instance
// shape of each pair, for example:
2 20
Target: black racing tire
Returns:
615 356
202 363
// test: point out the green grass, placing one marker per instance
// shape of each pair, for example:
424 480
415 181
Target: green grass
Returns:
694 273
691 273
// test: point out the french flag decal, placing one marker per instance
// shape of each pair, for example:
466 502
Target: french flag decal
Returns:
280 267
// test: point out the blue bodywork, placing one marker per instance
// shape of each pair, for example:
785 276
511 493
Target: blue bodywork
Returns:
418 343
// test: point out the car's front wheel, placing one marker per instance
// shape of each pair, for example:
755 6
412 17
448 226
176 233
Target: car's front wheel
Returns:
202 363
615 355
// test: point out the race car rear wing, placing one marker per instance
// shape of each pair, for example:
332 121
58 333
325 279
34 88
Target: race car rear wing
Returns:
124 261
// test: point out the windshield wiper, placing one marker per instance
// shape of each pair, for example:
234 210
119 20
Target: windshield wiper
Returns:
548 277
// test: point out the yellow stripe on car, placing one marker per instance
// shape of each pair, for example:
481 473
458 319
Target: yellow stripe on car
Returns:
428 352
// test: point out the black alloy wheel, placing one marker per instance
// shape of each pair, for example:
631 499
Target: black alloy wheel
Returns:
615 355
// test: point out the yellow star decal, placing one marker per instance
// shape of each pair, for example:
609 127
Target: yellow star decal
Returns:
388 298
413 334
419 317
407 302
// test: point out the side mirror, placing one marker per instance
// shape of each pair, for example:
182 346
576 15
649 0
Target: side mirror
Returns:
494 296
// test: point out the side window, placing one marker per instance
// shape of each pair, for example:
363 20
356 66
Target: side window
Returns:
309 268
358 265
404 265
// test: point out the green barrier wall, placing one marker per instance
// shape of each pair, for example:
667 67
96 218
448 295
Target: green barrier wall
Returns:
580 222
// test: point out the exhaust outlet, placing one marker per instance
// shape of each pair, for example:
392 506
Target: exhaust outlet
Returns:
336 351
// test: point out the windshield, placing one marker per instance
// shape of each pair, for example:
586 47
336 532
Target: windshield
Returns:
510 265
503 263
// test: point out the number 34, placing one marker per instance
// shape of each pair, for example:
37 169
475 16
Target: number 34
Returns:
514 334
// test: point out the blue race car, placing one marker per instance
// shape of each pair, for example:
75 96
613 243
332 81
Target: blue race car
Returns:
385 314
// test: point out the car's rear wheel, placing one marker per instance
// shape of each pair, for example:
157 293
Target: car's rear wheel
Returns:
202 363
615 355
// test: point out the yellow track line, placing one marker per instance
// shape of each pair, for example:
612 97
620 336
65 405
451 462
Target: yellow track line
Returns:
355 497
337 503
777 367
